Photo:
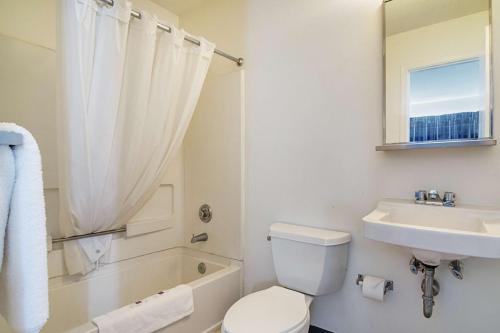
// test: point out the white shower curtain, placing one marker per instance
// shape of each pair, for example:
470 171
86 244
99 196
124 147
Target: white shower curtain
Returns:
127 94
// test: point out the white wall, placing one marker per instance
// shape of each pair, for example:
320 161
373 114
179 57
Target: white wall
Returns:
436 44
314 115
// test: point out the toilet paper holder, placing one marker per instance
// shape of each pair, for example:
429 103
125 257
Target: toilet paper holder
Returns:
388 284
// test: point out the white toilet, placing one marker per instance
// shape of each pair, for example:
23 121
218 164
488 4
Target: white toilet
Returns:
308 262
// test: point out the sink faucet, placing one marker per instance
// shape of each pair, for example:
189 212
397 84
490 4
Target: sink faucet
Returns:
433 198
199 238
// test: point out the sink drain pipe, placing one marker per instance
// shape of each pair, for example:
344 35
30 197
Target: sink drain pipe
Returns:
430 288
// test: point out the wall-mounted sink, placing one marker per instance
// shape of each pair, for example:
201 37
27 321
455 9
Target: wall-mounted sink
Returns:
436 233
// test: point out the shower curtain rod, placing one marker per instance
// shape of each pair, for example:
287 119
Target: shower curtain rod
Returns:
137 15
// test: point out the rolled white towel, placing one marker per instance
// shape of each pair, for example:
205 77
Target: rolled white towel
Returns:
7 174
24 299
149 314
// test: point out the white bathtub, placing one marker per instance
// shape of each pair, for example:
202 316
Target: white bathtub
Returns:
73 303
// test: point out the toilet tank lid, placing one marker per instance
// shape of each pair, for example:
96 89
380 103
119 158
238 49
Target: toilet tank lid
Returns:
310 235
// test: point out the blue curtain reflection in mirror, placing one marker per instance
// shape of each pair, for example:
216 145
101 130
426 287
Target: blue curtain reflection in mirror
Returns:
446 102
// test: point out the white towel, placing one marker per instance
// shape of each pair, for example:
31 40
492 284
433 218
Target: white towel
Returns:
7 174
24 300
149 314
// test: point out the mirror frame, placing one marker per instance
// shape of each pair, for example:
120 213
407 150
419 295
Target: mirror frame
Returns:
486 141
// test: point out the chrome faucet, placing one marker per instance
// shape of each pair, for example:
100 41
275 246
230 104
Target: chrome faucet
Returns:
433 198
199 238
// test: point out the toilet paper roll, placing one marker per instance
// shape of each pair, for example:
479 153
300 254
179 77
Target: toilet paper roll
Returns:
373 288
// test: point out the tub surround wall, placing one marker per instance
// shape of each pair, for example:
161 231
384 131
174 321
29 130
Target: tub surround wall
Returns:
163 206
213 151
314 91
214 146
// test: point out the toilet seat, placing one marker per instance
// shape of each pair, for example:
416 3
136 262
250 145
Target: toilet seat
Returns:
274 310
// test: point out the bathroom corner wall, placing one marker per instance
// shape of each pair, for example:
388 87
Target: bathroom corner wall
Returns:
214 144
314 91
28 98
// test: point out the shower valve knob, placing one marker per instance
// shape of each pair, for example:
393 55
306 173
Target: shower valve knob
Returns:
205 213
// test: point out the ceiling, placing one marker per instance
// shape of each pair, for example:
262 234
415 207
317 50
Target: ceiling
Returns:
179 7
404 15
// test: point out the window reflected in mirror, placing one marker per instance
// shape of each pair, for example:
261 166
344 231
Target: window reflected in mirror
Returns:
447 102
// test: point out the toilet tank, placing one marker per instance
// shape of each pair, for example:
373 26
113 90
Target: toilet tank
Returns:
309 260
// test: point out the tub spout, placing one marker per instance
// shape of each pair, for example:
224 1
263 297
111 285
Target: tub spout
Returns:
199 238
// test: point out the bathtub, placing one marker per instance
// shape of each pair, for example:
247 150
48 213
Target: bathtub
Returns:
74 302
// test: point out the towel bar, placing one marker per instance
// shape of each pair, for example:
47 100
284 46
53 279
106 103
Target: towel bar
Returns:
10 138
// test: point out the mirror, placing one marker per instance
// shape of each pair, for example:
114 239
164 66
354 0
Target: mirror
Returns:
437 73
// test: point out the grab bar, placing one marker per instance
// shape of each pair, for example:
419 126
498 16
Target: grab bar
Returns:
92 234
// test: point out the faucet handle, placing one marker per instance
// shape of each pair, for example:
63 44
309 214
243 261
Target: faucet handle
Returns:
420 196
449 199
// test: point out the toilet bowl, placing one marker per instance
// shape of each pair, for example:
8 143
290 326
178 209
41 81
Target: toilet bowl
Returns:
272 310
309 261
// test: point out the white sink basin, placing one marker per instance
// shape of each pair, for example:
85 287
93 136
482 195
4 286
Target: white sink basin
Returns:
435 233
